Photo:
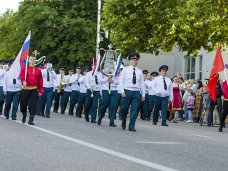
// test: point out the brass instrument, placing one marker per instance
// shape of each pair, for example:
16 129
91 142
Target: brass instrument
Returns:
62 85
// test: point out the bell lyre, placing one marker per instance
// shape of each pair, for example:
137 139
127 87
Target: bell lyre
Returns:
108 62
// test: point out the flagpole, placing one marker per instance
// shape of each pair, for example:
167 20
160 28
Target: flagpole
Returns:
26 66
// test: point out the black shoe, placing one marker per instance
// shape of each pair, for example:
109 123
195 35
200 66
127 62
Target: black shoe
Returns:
23 118
154 123
112 125
7 117
14 119
30 122
78 116
87 119
42 115
165 124
123 125
175 121
48 117
220 128
55 111
99 121
132 129
93 122
62 112
71 114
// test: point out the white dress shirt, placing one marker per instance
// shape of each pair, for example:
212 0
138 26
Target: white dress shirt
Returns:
126 78
82 81
151 90
146 82
58 80
158 87
2 74
105 83
90 81
74 81
52 78
8 84
68 86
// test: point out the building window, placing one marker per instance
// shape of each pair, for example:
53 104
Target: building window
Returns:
190 68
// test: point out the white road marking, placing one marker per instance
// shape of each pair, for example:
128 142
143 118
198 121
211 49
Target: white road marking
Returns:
102 149
159 142
203 136
146 126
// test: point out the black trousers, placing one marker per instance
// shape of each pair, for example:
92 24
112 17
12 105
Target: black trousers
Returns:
29 98
56 100
224 112
211 109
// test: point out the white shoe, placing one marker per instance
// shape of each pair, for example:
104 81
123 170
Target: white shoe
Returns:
188 121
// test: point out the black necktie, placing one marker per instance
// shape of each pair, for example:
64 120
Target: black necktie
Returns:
96 80
78 81
48 77
165 85
134 77
14 81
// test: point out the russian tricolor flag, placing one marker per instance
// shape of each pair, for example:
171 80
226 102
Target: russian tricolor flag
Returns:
20 61
118 63
96 66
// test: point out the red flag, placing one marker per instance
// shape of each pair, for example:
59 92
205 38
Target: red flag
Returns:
218 66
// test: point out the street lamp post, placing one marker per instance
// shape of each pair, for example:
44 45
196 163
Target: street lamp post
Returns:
98 27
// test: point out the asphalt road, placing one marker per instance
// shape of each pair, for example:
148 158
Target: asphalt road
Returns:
65 143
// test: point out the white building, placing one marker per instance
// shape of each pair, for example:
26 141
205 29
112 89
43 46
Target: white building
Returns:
191 67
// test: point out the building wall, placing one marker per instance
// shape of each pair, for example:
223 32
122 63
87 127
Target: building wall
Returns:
176 62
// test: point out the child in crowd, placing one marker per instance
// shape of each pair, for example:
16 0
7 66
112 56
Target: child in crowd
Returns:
190 105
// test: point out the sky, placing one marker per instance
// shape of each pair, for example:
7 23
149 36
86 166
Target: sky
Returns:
9 4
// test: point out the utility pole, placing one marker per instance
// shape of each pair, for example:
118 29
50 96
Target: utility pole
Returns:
98 27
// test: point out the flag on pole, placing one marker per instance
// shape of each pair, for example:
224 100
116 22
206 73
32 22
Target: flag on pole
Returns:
218 66
118 63
20 61
96 65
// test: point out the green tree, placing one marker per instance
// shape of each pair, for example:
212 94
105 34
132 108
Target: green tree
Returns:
150 25
64 31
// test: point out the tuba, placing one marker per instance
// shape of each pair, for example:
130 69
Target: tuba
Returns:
109 60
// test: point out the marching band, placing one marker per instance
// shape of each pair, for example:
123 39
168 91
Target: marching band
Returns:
83 91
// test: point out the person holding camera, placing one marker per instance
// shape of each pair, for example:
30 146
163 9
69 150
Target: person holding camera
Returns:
49 77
